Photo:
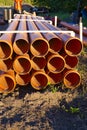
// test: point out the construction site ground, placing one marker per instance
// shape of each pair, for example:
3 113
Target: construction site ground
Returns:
55 108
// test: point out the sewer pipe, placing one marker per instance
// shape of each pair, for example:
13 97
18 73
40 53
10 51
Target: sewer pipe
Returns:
54 78
71 61
75 28
39 80
7 82
5 65
23 79
21 43
38 63
38 45
55 42
55 62
72 45
6 41
72 79
22 64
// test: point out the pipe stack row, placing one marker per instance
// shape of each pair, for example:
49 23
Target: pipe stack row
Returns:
37 58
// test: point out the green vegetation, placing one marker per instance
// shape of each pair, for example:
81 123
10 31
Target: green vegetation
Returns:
65 5
63 9
72 110
6 2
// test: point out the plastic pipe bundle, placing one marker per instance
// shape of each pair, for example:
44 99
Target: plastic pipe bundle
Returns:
37 58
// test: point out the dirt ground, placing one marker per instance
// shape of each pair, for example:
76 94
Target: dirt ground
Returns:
64 109
29 110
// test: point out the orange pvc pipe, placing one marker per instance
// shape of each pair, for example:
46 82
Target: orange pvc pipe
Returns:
55 42
72 45
5 65
22 64
39 80
72 79
55 62
54 78
21 43
75 28
71 61
7 82
23 79
39 45
62 52
38 63
6 41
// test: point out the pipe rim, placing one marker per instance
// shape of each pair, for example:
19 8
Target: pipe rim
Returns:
70 52
56 56
20 77
38 54
58 42
10 51
72 59
52 78
19 50
37 65
25 58
39 87
14 82
65 80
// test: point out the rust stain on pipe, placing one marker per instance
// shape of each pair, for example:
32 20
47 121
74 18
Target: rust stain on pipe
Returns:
55 42
38 62
7 82
23 79
72 79
39 80
22 64
6 41
39 45
21 43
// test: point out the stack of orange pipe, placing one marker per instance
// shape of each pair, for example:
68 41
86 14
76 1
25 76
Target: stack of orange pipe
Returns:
38 59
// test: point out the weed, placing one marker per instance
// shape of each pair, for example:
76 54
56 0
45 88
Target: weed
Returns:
74 110
53 88
71 109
